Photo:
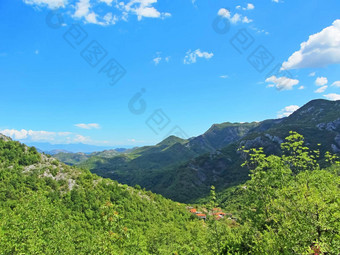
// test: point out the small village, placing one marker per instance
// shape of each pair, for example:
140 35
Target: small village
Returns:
216 212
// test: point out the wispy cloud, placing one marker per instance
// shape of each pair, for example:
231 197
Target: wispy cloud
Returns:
336 84
321 89
88 126
332 96
158 58
247 8
52 4
89 12
49 137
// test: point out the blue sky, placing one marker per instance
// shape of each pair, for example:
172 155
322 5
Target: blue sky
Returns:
183 66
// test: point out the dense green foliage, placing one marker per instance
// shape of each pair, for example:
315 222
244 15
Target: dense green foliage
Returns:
288 206
39 214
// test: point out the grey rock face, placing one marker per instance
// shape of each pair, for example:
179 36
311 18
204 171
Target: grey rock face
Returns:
5 138
330 126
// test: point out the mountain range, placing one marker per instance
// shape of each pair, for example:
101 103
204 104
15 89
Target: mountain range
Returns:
184 169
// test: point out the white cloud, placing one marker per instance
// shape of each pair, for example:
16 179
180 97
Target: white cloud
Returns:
233 18
332 96
88 126
301 87
52 4
320 81
108 2
29 134
282 83
224 13
81 139
312 74
336 84
224 76
144 8
320 50
288 110
247 8
246 20
191 57
321 89
83 9
110 19
36 52
276 1
49 137
258 30
156 60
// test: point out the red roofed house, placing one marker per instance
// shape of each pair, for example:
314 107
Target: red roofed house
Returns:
201 215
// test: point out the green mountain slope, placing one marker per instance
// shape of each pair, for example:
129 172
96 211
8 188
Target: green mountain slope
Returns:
184 170
288 206
47 207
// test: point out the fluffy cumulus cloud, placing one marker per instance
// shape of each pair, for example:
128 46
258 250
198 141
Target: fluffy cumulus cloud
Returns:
49 137
282 83
191 56
321 81
321 49
332 96
235 18
288 110
144 8
104 12
88 126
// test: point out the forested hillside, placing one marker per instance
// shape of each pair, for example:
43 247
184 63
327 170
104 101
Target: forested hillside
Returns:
184 170
47 207
289 206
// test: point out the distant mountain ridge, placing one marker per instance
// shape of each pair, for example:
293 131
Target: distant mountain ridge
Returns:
184 170
72 148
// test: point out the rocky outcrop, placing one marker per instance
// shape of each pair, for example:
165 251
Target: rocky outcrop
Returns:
330 126
5 138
